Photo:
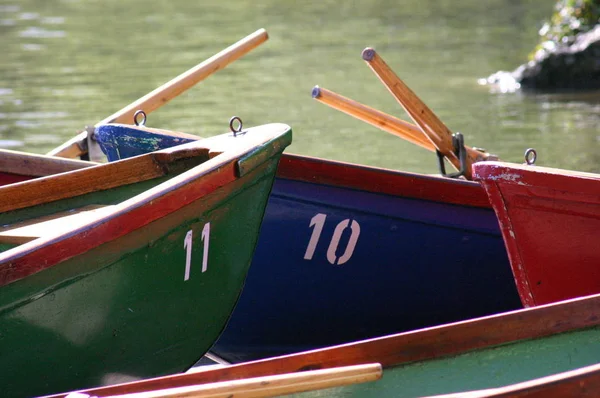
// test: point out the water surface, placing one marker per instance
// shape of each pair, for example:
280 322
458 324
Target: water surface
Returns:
71 63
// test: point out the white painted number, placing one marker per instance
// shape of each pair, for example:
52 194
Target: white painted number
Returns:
205 239
335 241
187 245
318 221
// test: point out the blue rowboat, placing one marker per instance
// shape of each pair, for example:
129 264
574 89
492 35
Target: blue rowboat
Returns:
348 252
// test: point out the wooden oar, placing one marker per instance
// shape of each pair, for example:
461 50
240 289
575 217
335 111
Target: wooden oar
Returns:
381 120
266 386
432 126
372 116
163 94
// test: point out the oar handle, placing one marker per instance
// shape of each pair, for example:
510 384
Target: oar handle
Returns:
77 146
432 126
266 386
372 116
181 83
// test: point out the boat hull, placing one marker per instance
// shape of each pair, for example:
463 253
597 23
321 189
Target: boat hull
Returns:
348 252
149 299
483 353
550 220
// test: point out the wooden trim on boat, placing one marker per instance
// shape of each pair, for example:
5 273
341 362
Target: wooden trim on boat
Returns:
23 232
92 179
384 181
394 350
34 165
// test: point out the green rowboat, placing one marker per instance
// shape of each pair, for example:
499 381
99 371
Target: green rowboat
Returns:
129 269
483 353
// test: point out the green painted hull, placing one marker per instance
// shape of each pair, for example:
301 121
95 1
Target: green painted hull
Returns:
481 369
123 310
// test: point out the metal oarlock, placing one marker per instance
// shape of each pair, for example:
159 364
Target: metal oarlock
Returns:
232 127
135 118
530 156
458 142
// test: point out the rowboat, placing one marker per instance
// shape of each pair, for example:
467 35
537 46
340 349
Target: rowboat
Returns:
483 353
340 241
129 269
550 221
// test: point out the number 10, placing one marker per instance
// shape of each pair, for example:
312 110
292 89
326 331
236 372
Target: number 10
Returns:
318 221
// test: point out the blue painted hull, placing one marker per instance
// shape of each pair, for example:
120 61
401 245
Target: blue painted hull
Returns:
396 263
415 264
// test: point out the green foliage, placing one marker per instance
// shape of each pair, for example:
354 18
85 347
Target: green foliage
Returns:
570 18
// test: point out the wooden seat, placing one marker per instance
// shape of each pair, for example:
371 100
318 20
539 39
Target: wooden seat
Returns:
23 232
99 177
35 165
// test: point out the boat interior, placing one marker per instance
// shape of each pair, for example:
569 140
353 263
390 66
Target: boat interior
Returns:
52 203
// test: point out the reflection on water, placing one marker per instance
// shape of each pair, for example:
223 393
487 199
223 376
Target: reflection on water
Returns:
70 63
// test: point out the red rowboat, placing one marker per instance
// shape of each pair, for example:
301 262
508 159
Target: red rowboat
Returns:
550 221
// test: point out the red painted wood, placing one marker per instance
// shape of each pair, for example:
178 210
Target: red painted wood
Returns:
9 178
372 179
550 221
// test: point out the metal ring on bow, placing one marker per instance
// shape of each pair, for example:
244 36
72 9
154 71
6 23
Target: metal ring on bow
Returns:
135 118
530 156
231 125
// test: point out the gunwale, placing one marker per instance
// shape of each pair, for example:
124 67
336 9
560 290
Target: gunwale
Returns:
380 180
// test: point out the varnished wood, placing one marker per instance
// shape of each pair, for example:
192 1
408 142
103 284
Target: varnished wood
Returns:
55 223
96 178
583 382
73 148
395 350
30 164
270 386
383 121
169 90
432 126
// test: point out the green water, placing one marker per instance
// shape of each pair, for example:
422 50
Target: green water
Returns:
70 63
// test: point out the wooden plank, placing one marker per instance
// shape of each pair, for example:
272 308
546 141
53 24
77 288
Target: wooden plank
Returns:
398 349
96 178
78 182
270 386
35 165
24 232
73 148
